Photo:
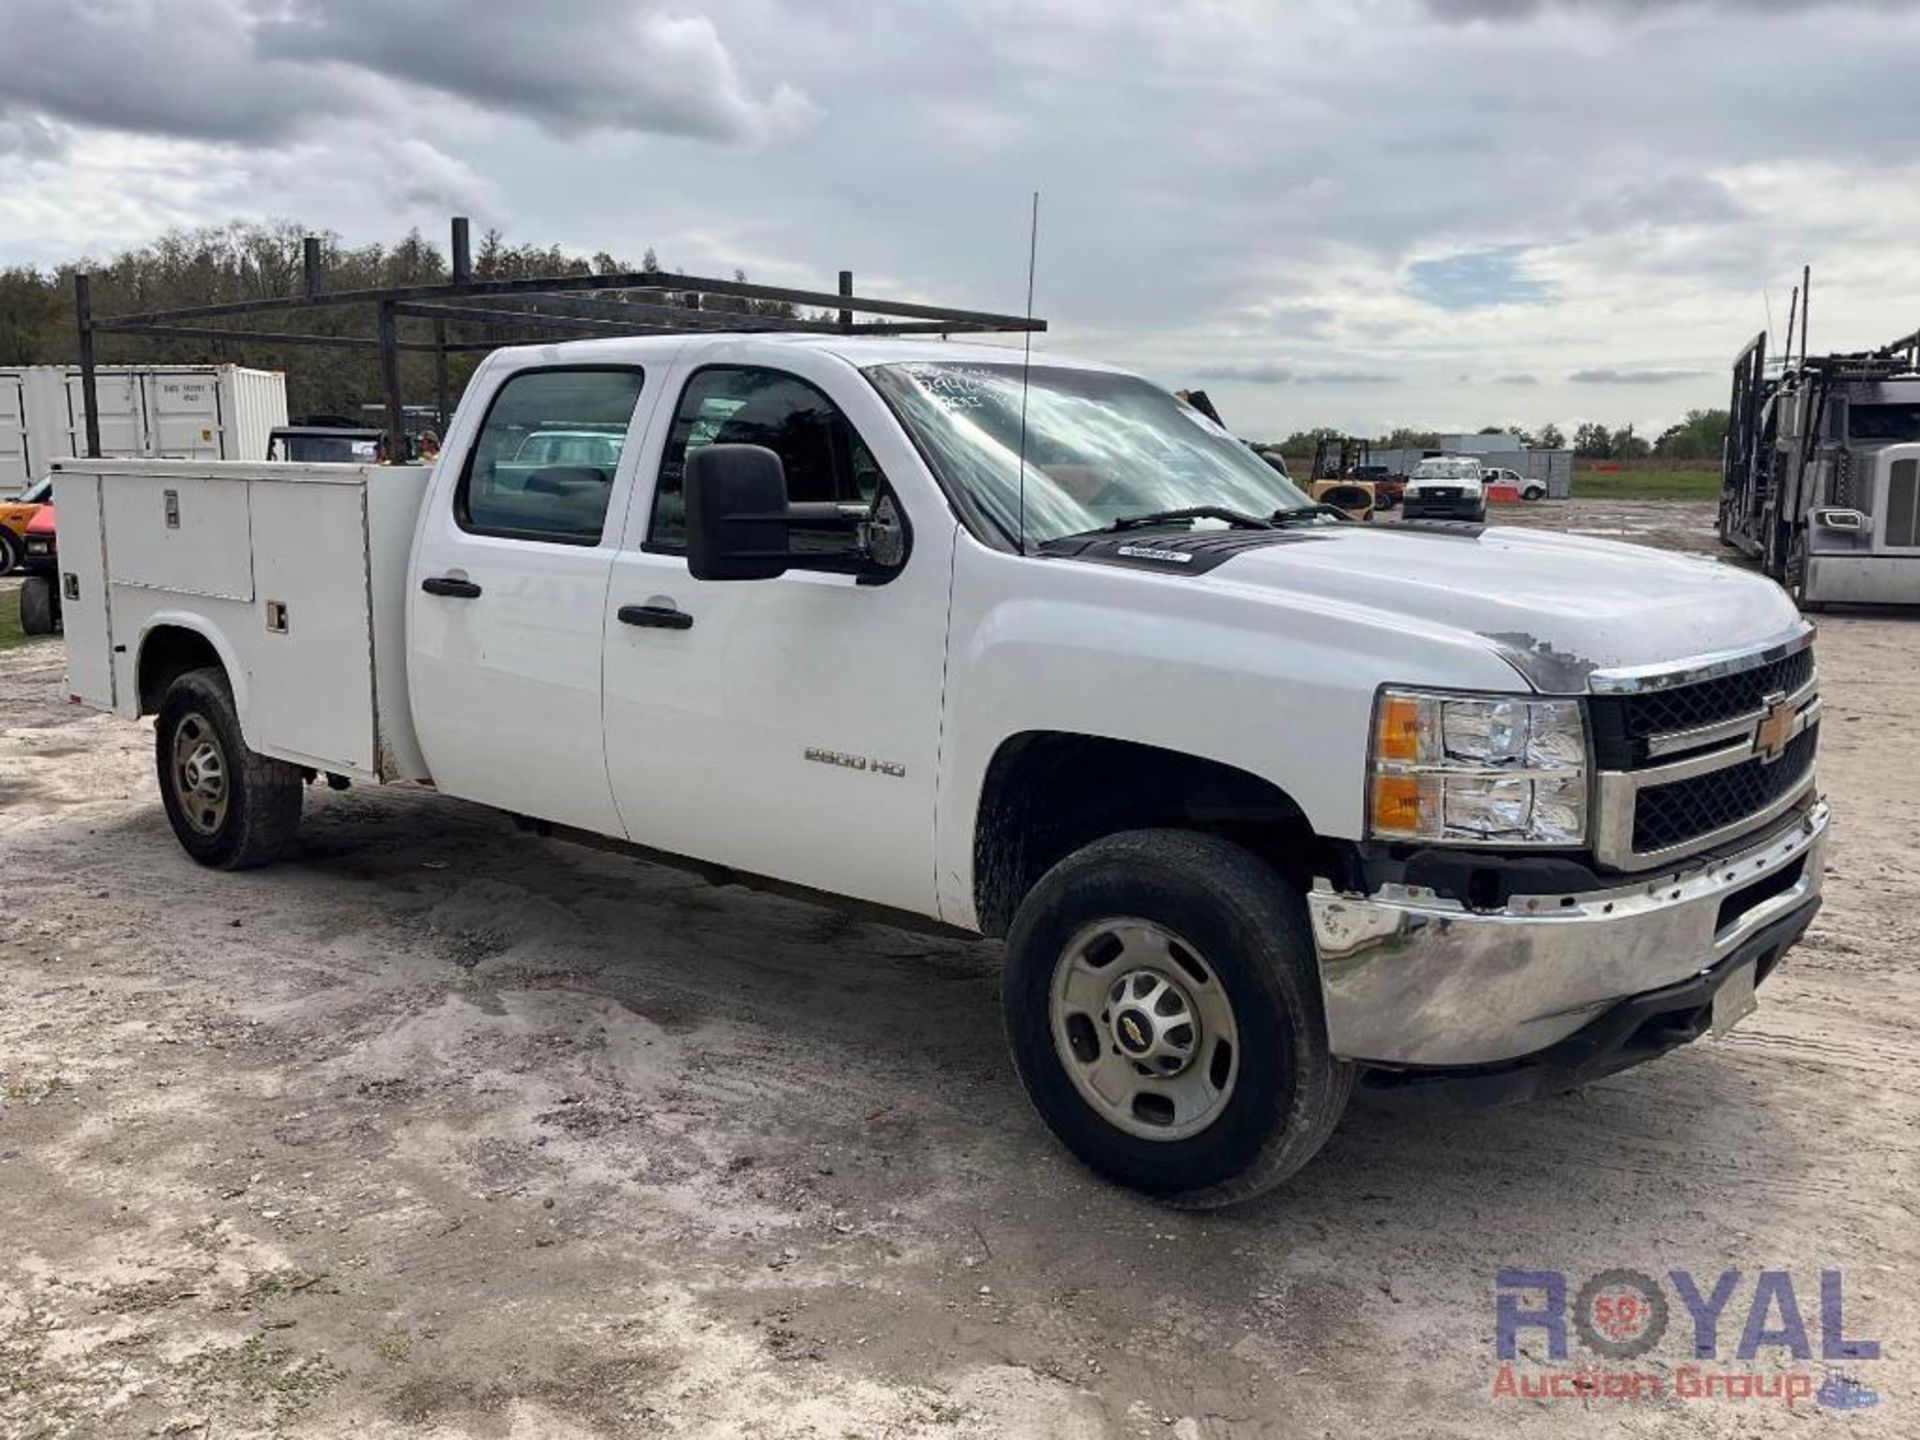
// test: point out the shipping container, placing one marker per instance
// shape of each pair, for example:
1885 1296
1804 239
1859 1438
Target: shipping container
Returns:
184 412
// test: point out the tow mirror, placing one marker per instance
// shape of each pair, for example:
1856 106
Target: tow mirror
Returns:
736 513
740 525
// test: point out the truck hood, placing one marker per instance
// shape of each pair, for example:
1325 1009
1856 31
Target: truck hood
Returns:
1558 607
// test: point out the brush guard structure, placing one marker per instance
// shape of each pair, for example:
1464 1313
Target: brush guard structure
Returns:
540 308
1820 481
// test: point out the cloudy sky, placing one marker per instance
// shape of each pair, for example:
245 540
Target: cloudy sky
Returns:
1434 212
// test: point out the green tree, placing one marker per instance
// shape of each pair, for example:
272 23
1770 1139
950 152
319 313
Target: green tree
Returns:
243 261
1699 435
1593 442
1550 437
1628 446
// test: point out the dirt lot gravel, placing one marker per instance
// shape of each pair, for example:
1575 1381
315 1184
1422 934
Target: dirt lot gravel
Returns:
436 1129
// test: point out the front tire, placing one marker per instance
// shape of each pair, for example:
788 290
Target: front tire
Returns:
1164 1014
37 613
9 551
230 808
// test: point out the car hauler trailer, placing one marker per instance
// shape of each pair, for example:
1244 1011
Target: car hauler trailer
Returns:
1821 472
182 412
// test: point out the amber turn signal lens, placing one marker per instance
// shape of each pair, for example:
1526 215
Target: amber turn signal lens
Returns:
1399 737
1396 805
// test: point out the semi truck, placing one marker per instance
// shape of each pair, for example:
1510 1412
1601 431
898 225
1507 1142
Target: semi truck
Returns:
1264 804
1820 483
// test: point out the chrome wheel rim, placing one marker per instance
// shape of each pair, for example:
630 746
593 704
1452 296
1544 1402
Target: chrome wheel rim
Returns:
1144 1029
199 772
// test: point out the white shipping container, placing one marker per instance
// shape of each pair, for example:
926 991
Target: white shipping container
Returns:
184 412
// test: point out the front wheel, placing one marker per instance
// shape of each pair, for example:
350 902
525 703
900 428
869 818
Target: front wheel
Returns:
1163 1010
9 551
1534 492
39 610
229 808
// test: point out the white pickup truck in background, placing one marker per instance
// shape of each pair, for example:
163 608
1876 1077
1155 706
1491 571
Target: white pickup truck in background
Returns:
1263 802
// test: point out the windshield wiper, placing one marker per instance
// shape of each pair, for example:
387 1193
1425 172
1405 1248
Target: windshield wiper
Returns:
1306 512
1239 519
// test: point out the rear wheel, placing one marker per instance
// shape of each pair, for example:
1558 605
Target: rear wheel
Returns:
37 613
1163 1010
229 808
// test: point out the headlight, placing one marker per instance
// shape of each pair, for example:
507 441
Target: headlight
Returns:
1477 770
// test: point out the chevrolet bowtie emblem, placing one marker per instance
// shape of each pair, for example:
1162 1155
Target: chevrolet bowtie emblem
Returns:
1775 729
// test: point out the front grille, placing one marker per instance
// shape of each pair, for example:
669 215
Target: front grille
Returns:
1445 492
1622 724
1684 810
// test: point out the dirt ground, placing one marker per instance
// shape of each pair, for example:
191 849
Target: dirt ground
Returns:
435 1129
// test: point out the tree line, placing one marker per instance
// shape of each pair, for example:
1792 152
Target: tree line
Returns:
1695 436
245 261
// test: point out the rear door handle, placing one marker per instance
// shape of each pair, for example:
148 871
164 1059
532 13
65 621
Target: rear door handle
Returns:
449 586
661 617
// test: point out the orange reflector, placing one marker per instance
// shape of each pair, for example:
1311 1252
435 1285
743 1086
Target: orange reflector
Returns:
1396 804
1399 737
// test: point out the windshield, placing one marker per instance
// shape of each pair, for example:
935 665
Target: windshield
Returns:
1884 422
1099 446
38 493
321 449
1447 470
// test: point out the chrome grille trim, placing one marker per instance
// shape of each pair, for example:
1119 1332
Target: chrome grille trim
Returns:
1739 727
1616 792
1635 680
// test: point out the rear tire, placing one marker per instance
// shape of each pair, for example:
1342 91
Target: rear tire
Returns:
1173 945
229 808
36 606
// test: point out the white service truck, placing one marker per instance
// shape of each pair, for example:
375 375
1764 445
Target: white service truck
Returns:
1265 803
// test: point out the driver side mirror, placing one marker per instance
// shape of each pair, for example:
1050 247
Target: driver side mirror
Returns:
736 499
740 523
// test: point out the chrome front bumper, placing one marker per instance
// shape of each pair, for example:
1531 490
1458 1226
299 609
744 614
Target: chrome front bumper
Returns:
1413 979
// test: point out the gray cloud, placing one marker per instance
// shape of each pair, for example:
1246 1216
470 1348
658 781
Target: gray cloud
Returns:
1606 375
1521 380
1258 372
594 64
1466 10
1682 199
30 136
258 72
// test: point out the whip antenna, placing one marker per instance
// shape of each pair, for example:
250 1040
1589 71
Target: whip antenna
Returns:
1026 363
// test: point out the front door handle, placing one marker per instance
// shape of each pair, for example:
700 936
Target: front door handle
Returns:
661 617
450 586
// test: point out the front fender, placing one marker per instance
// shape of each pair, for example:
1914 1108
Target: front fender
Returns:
1281 689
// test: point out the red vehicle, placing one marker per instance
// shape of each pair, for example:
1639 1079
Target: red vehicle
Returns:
40 595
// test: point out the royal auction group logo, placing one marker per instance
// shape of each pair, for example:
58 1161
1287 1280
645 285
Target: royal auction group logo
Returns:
1622 1316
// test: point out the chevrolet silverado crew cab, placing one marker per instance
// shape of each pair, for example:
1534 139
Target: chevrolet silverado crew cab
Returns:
1445 487
1264 802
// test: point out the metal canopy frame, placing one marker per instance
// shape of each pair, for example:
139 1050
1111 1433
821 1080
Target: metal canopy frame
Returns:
548 306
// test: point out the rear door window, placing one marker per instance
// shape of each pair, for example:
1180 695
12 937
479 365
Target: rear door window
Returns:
543 465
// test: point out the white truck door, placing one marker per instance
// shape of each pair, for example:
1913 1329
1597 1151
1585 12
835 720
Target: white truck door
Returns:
85 619
509 588
789 727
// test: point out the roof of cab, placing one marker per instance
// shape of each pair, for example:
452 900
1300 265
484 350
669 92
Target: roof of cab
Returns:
860 351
